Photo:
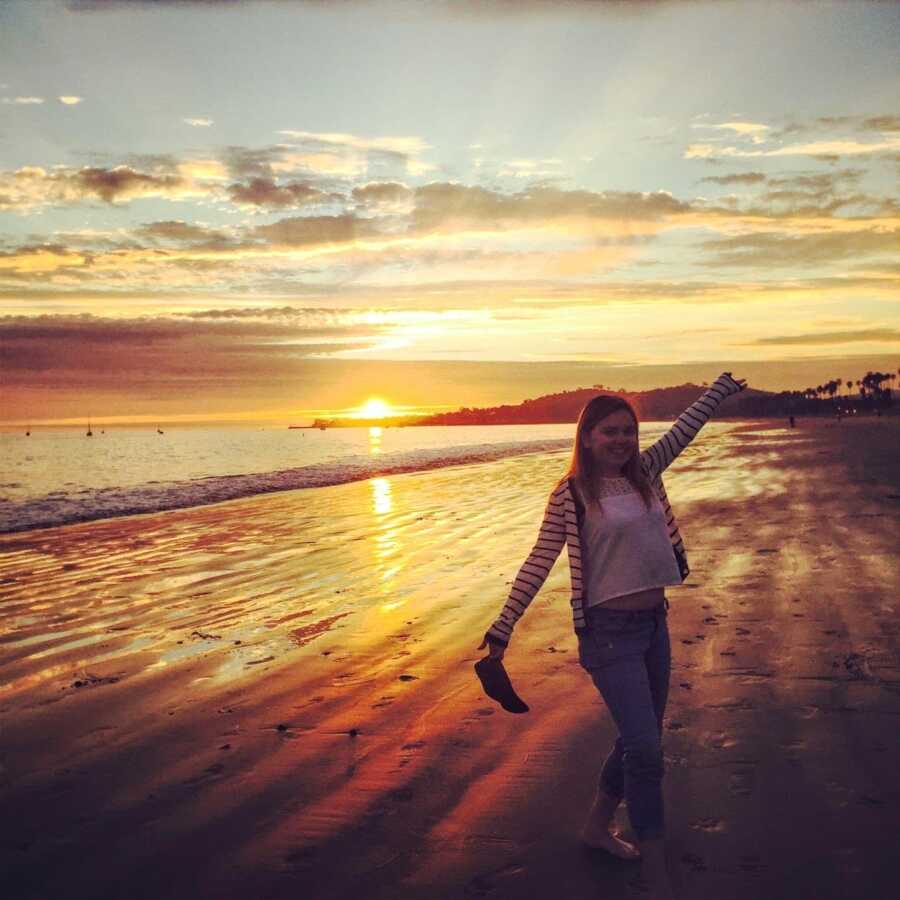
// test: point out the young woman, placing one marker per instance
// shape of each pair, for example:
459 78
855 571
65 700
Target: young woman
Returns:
612 513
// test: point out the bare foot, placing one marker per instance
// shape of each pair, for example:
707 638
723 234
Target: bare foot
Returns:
601 839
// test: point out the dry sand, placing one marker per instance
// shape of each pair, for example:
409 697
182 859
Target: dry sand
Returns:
274 697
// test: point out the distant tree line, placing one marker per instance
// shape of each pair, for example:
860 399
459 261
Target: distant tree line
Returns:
871 394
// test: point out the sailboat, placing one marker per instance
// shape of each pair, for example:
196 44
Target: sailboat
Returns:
89 432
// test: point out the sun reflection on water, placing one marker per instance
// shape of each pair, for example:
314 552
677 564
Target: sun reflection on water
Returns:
375 440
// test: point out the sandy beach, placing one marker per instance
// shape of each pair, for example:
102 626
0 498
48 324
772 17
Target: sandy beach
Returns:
274 697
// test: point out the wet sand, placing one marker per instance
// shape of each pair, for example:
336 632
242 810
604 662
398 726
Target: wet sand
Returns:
274 697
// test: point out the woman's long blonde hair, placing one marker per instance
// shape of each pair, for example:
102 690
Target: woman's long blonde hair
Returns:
582 468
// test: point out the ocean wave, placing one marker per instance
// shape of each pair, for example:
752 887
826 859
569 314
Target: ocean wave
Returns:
61 508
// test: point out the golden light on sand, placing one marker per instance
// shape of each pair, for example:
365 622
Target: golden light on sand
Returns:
381 495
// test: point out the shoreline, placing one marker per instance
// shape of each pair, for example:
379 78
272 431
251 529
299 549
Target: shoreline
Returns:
63 508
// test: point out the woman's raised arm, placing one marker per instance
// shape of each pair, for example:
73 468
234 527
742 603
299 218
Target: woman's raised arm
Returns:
659 456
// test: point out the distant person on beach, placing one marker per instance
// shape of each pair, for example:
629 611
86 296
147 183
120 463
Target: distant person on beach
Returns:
611 511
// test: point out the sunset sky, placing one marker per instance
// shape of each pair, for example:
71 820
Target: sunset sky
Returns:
273 210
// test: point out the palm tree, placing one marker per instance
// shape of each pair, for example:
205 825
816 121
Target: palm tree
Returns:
830 388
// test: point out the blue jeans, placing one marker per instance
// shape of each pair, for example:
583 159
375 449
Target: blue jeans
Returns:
627 654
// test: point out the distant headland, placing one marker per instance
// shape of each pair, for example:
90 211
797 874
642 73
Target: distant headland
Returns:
868 395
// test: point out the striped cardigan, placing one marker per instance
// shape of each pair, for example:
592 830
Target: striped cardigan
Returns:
564 515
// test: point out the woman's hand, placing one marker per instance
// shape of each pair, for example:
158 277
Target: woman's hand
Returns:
741 381
496 650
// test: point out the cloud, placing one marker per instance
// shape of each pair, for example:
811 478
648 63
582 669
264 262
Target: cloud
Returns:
203 344
180 232
30 260
880 335
33 186
349 155
404 146
817 182
265 192
808 195
310 231
882 123
246 161
326 158
69 100
198 123
123 183
530 168
202 170
831 148
755 131
260 176
772 250
386 193
22 101
737 178
444 203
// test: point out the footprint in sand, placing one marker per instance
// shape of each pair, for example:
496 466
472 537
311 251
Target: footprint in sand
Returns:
694 862
708 825
732 704
208 774
383 701
752 864
483 885
742 782
720 740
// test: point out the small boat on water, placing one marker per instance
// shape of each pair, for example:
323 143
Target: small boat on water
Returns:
158 431
89 432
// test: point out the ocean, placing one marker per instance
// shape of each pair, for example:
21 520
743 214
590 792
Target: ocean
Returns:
59 476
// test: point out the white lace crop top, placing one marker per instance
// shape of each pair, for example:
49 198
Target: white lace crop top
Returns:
627 547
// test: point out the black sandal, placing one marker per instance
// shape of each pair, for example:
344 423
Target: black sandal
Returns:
497 686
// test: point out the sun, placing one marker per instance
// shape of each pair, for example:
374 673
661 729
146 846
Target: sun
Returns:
374 408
